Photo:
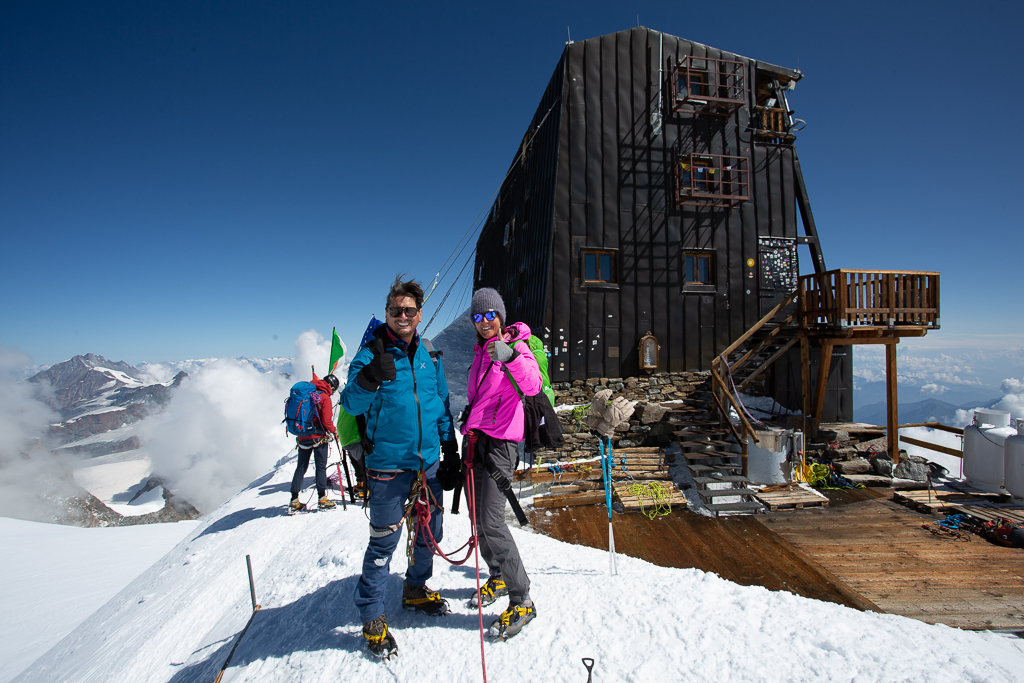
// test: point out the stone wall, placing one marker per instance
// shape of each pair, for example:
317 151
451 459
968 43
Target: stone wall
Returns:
650 423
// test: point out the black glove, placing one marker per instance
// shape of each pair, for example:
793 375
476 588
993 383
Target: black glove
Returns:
450 471
379 370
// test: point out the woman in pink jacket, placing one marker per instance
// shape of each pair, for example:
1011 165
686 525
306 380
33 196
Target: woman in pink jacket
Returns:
495 415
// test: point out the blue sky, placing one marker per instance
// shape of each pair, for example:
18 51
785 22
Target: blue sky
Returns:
184 180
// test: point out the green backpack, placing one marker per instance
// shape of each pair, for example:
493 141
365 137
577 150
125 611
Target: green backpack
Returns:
537 347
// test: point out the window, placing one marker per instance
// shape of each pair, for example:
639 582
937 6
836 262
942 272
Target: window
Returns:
698 270
510 232
599 266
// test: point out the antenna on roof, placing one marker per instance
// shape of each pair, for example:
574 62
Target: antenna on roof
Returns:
568 42
638 21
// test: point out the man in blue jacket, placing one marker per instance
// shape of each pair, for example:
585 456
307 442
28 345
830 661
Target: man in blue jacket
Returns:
401 390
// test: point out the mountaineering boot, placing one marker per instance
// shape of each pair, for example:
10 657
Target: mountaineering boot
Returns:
379 639
489 592
295 506
325 503
424 600
513 619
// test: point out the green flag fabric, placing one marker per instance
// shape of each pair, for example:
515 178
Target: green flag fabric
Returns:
348 430
337 351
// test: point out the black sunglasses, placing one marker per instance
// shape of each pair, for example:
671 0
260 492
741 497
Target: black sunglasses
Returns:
480 317
396 311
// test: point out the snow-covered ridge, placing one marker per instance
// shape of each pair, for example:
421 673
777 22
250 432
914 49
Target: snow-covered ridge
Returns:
179 620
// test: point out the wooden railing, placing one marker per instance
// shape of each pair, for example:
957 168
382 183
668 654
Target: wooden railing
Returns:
870 298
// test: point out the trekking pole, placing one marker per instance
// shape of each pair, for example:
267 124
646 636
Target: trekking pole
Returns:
348 477
338 466
607 470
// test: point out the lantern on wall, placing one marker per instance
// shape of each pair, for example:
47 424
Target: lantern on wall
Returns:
649 353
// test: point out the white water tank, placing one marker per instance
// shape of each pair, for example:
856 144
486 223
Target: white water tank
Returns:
1013 474
984 457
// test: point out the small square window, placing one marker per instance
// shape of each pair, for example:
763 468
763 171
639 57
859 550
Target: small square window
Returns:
698 270
599 266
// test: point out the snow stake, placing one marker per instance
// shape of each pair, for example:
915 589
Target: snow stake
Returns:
606 468
255 609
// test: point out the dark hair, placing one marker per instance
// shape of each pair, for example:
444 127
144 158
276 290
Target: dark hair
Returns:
408 288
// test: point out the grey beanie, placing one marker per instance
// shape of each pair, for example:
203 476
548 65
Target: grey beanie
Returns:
487 299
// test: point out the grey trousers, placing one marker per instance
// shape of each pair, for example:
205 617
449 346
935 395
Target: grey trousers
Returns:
495 540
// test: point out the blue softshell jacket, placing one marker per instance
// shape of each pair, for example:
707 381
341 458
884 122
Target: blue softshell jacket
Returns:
408 418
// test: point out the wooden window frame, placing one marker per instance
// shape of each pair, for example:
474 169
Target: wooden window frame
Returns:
699 285
612 280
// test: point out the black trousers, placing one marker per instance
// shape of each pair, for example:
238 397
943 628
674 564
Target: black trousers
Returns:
319 454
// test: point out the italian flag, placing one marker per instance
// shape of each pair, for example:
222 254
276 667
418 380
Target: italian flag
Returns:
337 351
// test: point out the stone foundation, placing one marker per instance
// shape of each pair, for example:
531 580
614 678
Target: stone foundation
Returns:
648 426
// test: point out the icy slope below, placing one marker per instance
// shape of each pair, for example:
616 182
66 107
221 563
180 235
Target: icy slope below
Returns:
177 621
54 576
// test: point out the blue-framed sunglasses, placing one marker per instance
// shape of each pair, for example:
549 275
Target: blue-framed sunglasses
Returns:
480 317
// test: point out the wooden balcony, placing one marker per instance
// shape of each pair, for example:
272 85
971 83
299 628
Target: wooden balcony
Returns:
773 125
850 301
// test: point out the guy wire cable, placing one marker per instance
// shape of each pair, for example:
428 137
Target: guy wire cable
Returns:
459 246
441 305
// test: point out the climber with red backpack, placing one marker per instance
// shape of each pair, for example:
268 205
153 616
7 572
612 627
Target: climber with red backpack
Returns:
308 415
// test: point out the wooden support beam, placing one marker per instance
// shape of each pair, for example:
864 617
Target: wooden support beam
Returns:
824 365
739 410
929 425
725 415
804 203
935 447
892 403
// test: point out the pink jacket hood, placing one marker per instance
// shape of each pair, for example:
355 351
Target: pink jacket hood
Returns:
496 408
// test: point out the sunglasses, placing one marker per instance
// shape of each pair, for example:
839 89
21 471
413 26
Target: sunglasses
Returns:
480 317
396 311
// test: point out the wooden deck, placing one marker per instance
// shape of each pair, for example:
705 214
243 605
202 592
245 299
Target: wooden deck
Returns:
880 550
863 551
739 549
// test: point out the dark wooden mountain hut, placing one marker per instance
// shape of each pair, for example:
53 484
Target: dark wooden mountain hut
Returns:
656 193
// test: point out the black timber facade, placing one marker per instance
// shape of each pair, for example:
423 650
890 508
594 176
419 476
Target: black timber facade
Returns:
595 173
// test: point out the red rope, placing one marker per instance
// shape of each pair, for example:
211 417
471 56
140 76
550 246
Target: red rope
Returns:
421 507
471 495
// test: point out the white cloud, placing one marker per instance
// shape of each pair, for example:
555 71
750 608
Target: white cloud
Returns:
311 350
934 389
30 474
221 430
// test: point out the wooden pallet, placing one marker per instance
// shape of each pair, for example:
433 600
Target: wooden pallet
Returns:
795 498
986 513
943 500
632 503
561 500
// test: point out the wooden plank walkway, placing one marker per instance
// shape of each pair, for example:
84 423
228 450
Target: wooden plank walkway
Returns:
880 550
739 549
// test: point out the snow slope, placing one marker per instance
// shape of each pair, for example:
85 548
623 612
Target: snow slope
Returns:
54 576
178 621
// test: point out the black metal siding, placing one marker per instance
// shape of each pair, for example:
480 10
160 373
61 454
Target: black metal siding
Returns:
609 184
